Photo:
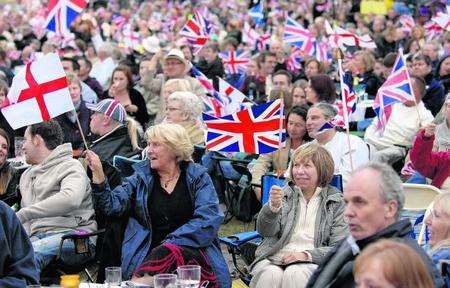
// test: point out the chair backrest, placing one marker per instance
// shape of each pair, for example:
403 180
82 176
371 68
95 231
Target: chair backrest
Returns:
267 181
124 164
199 151
419 196
336 182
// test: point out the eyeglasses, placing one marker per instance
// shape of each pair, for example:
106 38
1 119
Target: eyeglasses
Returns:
172 109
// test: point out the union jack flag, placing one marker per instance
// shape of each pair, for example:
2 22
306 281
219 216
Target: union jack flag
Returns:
407 23
235 62
340 37
196 31
348 104
321 53
212 106
433 29
257 130
231 95
443 19
295 34
61 14
208 85
293 62
397 88
262 41
249 35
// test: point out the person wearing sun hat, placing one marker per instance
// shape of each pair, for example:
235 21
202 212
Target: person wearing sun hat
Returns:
175 66
109 125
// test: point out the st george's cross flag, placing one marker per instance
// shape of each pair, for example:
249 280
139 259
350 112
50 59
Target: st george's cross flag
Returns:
256 130
38 93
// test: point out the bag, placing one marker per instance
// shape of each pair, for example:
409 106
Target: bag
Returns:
243 202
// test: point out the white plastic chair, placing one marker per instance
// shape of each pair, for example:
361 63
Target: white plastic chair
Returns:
419 196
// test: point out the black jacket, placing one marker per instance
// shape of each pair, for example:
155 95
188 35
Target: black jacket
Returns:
212 70
434 94
117 142
11 196
372 83
70 129
336 270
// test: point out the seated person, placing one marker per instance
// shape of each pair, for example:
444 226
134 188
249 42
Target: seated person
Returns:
320 88
17 266
336 142
372 212
434 165
278 161
390 144
174 210
68 121
117 134
9 176
404 268
438 223
56 195
185 108
288 222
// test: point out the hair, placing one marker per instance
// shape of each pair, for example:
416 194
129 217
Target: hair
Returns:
285 73
72 78
421 84
391 186
128 74
75 65
263 56
367 58
6 172
404 267
320 66
421 57
324 87
320 157
178 84
327 109
134 130
4 86
87 61
175 137
286 94
190 102
232 41
409 43
389 59
50 131
213 46
443 200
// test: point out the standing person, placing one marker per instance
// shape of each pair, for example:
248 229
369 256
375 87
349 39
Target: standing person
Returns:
301 222
210 64
174 209
372 212
121 89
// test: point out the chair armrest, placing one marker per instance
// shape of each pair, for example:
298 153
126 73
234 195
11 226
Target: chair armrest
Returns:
243 161
79 239
238 239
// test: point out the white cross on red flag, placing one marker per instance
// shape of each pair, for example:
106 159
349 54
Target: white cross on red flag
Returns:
39 92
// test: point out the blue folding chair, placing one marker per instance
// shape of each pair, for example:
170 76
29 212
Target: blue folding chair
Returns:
124 164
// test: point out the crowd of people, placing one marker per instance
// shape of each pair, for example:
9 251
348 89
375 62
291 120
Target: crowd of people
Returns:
134 82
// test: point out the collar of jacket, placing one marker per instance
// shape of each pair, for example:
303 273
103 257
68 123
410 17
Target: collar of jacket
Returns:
399 229
118 131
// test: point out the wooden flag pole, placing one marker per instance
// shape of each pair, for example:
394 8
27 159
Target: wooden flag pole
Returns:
281 125
81 131
344 107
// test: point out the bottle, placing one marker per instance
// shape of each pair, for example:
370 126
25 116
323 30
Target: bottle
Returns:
70 281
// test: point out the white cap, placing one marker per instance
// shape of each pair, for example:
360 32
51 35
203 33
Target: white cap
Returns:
151 44
176 54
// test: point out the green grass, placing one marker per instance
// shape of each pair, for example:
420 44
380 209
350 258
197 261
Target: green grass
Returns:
235 226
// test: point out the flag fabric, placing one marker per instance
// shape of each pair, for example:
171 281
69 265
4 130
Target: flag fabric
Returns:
235 62
321 52
296 35
432 29
212 106
293 62
204 81
249 35
407 23
254 130
38 93
340 37
443 19
196 32
327 126
348 98
262 41
61 14
257 13
397 88
232 96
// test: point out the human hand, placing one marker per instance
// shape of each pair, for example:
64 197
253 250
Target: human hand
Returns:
429 130
294 256
131 108
276 196
95 164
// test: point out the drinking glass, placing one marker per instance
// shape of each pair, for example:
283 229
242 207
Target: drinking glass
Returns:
189 276
165 281
18 150
113 276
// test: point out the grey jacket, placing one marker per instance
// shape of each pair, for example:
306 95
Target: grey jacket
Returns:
56 195
277 228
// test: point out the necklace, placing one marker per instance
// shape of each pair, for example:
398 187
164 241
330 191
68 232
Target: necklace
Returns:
166 183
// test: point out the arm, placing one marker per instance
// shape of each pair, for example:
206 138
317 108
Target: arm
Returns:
424 160
339 230
20 268
268 223
73 189
202 229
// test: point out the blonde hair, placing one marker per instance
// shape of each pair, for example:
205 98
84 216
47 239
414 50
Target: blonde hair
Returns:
134 131
402 265
367 58
173 136
443 200
321 159
178 85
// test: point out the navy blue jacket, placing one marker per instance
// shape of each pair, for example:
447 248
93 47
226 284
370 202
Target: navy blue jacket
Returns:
199 232
17 266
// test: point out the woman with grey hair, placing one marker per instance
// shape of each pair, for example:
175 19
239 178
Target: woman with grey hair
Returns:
185 108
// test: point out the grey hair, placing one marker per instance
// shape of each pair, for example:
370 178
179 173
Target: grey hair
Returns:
327 109
391 186
191 104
